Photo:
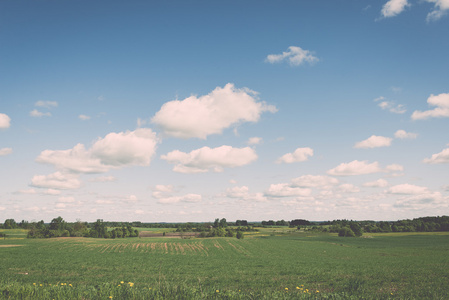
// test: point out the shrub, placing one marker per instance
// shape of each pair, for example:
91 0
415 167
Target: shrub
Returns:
346 232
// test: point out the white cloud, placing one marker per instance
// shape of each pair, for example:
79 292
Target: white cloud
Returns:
52 192
378 183
408 189
38 114
440 9
27 192
393 8
391 106
103 179
294 55
66 199
164 194
348 188
402 134
438 158
244 194
286 190
5 151
57 181
5 121
206 159
355 168
131 199
254 141
84 117
115 150
46 104
441 102
189 198
374 141
299 155
394 168
308 181
421 202
210 114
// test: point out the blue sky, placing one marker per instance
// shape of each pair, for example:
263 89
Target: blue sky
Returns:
196 110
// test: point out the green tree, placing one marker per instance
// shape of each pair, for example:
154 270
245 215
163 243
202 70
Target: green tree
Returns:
346 232
356 228
10 224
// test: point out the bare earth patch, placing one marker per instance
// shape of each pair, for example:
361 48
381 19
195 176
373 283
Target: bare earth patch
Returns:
7 246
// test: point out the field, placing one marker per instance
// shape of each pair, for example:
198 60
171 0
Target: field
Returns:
274 263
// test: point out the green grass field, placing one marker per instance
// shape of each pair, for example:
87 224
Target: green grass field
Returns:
270 264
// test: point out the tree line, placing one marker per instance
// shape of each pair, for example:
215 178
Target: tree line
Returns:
220 227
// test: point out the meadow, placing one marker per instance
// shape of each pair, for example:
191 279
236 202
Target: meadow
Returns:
270 264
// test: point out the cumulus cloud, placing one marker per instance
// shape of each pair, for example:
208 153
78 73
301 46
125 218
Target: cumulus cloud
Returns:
115 150
57 180
318 181
439 10
299 155
46 104
402 134
441 110
198 117
286 190
355 168
378 183
393 8
408 189
294 55
206 159
438 158
84 117
5 121
38 114
421 202
5 151
243 193
374 141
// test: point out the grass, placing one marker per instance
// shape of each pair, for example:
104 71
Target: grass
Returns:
279 265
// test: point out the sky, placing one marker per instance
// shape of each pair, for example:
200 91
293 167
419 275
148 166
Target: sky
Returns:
187 111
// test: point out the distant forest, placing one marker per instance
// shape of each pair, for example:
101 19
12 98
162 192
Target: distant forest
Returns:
220 227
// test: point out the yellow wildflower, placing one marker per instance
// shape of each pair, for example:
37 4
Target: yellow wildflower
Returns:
217 291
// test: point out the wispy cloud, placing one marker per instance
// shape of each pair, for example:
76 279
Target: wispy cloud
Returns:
46 104
38 114
5 151
294 55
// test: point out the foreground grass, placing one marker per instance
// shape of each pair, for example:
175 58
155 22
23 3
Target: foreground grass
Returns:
270 266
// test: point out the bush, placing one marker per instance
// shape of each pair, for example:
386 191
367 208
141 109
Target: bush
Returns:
346 232
240 235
